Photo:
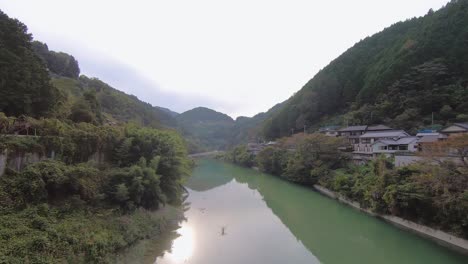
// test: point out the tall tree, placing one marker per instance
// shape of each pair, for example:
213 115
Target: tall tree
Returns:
24 81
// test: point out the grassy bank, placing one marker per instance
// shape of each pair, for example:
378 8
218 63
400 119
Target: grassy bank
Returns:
40 234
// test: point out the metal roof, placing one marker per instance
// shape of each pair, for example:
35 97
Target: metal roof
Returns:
429 134
429 139
353 128
463 125
400 141
378 127
385 134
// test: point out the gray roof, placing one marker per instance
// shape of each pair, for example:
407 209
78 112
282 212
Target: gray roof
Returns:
400 141
386 134
378 127
429 139
432 134
463 125
353 128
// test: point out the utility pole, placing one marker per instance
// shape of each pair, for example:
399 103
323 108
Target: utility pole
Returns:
292 131
432 120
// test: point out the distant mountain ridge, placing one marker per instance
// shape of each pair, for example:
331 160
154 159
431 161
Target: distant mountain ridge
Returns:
201 114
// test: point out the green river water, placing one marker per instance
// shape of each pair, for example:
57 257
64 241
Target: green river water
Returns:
241 216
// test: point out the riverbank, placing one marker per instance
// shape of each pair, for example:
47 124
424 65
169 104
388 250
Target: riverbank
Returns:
438 236
41 234
149 248
270 220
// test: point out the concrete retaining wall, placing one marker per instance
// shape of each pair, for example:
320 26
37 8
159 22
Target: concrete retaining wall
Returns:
403 160
438 236
19 160
3 161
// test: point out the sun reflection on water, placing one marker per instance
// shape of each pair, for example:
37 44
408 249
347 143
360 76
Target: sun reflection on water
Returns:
182 247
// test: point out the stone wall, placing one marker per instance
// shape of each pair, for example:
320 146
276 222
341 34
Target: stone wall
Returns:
438 236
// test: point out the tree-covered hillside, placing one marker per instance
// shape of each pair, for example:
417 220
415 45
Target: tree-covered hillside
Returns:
24 82
206 129
399 76
115 106
38 82
59 63
247 129
81 181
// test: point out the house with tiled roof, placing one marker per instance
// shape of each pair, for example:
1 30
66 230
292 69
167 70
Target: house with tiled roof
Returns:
352 133
364 150
455 129
392 146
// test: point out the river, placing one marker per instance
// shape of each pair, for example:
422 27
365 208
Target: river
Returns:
241 216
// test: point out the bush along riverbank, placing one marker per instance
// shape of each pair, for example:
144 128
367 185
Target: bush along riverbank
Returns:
433 192
81 209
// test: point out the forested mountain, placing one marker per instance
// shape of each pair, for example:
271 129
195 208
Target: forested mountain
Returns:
38 82
248 129
59 63
24 82
169 111
205 128
203 114
115 106
399 76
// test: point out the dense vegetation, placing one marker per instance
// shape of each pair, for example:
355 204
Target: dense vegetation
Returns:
115 106
433 192
24 82
58 63
247 129
206 128
399 76
110 175
92 168
240 155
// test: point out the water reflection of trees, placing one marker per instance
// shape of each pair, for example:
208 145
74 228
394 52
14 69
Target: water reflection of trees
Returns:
210 174
335 233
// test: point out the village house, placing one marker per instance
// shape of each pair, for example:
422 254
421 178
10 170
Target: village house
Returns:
353 133
331 131
429 137
455 129
255 148
364 150
391 146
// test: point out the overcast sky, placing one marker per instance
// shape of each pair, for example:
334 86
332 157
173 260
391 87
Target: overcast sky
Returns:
239 57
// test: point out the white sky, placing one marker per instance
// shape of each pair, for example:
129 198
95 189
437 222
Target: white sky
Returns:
239 57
